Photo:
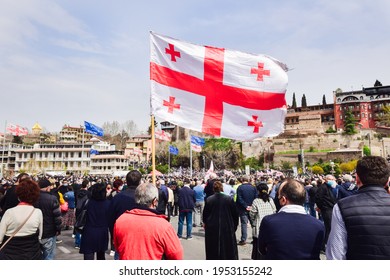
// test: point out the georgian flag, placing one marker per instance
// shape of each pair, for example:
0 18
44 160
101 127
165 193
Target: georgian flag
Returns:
216 91
163 135
16 130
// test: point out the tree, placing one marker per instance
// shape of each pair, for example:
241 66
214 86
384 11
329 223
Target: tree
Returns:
366 151
150 127
384 119
111 128
316 169
130 128
347 167
349 123
294 102
323 100
377 84
304 103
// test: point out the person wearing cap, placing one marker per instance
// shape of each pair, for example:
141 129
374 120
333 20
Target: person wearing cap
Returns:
360 222
52 220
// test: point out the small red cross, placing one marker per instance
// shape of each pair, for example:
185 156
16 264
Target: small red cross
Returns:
171 51
260 71
171 104
256 124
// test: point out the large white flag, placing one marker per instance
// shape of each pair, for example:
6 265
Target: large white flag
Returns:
216 91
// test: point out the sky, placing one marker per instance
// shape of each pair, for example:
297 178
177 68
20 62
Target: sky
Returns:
66 62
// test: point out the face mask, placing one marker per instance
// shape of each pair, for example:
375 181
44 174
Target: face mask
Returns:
331 184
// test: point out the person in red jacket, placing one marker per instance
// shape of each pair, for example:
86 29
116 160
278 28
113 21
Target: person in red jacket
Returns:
144 234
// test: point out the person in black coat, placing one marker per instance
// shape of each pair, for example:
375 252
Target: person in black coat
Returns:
220 221
10 198
52 219
94 239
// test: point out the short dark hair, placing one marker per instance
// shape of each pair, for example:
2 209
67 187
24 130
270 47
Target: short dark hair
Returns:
133 178
27 191
22 176
293 191
84 184
98 191
373 170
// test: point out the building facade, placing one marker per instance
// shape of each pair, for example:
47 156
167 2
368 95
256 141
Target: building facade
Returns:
71 134
366 105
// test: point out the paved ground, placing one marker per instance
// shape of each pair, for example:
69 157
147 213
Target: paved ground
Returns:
193 249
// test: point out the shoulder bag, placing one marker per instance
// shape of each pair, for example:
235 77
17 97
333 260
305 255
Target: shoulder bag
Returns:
81 218
17 230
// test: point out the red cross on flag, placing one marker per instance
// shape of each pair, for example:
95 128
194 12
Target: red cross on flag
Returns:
163 135
16 130
216 91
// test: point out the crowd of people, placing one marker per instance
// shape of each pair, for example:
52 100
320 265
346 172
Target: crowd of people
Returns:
291 218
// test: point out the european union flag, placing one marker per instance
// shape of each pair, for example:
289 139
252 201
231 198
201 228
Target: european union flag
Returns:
199 141
173 150
93 129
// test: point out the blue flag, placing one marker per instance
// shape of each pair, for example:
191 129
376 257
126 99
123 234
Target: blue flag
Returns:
94 152
173 150
93 129
198 141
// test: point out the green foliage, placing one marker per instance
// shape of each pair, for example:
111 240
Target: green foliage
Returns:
384 118
286 165
316 169
163 168
330 130
347 167
350 123
142 170
253 162
294 102
304 102
311 149
366 151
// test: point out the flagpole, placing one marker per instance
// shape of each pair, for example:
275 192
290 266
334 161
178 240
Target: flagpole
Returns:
82 154
153 152
169 161
2 158
190 160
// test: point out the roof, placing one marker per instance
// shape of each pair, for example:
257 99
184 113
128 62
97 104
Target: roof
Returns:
36 126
